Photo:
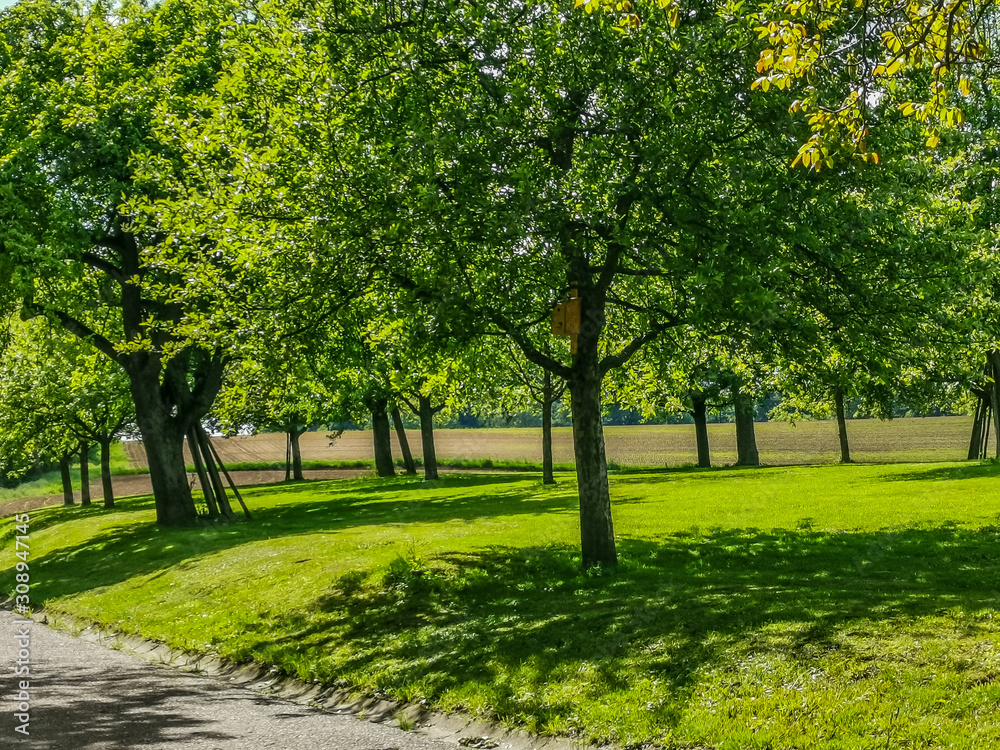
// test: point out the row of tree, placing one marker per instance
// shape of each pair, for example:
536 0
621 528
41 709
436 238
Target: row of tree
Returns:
389 200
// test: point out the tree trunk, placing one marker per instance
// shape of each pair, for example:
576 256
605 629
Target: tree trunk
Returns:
699 410
976 441
288 456
163 441
382 437
746 438
994 359
427 437
194 444
597 531
109 492
67 480
548 477
404 444
293 438
84 473
845 448
986 431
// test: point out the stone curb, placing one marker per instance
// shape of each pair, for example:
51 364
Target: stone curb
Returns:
452 728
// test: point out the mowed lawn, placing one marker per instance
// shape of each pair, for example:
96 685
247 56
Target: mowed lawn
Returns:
787 607
810 442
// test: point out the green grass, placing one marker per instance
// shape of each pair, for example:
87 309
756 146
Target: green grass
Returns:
810 607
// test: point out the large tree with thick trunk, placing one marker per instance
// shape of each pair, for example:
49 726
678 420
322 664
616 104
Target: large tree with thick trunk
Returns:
502 159
601 172
80 87
530 156
499 160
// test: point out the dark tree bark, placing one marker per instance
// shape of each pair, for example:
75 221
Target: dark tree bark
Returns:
84 473
994 388
163 439
699 412
164 446
548 476
382 436
109 492
288 457
294 433
404 444
746 437
427 437
168 395
845 447
67 480
597 531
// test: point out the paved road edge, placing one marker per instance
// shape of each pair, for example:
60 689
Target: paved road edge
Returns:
461 730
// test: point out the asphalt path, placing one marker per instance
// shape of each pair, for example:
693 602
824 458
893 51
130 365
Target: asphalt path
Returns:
84 696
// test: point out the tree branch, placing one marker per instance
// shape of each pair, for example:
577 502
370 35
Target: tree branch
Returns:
80 330
103 264
617 360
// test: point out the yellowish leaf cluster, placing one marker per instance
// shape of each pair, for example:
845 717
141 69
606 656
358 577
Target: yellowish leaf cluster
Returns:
938 35
628 18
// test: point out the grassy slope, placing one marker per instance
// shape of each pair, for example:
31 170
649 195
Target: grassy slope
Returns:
820 607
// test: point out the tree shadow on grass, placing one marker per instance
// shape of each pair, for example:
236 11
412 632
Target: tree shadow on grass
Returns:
131 551
711 474
372 486
948 473
519 619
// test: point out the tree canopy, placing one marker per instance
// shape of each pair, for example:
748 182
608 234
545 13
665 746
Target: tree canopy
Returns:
328 208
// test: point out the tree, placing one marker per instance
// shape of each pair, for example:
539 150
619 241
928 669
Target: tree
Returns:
684 373
501 160
56 396
516 158
275 390
569 178
80 85
532 386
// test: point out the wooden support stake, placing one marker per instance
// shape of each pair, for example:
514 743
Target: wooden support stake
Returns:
213 472
225 471
199 467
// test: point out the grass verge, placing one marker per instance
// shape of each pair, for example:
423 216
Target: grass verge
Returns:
810 607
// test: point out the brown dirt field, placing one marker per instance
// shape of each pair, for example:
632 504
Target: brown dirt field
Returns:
898 440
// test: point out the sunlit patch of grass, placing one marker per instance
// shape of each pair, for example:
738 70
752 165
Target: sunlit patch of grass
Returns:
807 607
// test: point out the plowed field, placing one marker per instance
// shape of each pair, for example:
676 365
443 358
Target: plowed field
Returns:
899 440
